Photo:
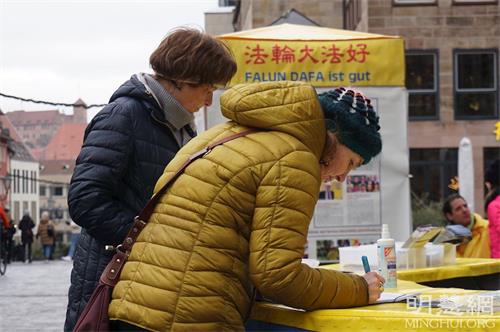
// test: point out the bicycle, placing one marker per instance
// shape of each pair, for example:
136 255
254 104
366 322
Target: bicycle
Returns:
3 251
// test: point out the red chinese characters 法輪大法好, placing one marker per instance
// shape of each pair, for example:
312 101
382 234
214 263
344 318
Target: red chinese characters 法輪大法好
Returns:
258 55
283 54
357 54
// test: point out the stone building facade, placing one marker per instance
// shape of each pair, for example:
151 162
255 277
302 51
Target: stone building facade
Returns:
258 13
452 77
36 128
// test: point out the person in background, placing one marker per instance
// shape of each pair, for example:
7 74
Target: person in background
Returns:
4 227
46 233
492 206
9 232
4 218
26 226
75 237
239 216
457 212
128 144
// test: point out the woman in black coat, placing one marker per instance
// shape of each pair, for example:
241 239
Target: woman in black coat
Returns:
26 226
128 144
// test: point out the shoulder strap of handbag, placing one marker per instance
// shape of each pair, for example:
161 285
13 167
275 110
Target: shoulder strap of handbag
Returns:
114 267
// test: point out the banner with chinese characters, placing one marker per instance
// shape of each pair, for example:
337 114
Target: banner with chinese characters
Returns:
363 62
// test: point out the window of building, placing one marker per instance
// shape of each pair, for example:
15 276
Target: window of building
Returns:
23 181
414 2
14 181
476 84
352 14
57 191
17 212
56 214
36 182
26 181
422 84
432 170
43 190
32 179
474 2
34 209
226 3
25 207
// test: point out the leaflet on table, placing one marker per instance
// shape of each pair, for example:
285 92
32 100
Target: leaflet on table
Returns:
388 297
385 297
421 236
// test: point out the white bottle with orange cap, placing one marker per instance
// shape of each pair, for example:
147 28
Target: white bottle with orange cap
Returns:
386 252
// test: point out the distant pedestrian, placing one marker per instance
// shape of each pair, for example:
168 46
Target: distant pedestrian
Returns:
4 227
4 218
9 232
26 226
75 237
47 234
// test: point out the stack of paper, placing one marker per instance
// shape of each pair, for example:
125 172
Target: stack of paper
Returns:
421 236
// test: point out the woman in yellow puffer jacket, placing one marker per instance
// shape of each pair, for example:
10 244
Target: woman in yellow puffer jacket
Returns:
239 216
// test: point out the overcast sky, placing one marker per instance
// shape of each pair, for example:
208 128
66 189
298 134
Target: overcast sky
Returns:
62 50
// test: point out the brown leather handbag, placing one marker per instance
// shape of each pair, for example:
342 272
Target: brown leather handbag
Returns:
95 314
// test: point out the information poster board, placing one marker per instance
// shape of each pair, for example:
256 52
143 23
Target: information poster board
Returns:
352 213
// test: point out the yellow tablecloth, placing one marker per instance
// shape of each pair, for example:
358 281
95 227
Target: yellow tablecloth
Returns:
464 267
391 317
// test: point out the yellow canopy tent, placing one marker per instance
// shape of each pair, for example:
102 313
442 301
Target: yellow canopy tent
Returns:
321 56
327 58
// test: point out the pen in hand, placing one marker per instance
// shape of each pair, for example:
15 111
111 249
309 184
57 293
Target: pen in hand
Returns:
366 265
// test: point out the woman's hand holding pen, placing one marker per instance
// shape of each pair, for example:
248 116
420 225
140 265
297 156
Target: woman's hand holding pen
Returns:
374 280
375 285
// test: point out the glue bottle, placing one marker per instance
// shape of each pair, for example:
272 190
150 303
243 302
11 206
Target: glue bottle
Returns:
386 252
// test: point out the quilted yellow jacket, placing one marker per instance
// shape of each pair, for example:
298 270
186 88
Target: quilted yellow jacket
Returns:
236 217
479 245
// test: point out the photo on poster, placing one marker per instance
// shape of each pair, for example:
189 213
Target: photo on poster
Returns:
327 250
331 190
363 183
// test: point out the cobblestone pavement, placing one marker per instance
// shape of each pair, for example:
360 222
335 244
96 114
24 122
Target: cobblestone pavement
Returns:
33 297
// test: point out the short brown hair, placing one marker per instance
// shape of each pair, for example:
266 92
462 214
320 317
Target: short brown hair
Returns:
191 55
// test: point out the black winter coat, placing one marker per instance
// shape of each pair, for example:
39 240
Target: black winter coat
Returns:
26 226
126 147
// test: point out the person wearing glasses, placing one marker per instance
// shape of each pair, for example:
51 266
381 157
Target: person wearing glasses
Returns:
238 217
128 144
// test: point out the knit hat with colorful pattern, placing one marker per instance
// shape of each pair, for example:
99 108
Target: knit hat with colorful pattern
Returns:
350 115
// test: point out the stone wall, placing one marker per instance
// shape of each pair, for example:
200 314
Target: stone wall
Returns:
261 13
445 26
